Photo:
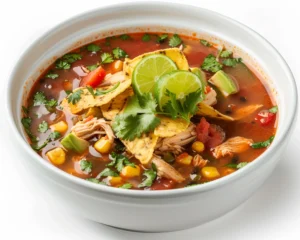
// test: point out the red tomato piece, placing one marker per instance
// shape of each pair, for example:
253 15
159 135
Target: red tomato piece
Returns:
265 117
163 184
210 134
94 78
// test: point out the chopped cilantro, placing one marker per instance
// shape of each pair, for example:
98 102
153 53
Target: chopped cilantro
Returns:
92 67
26 122
93 47
51 75
71 57
263 144
175 40
54 135
150 177
51 137
75 96
162 38
86 166
63 65
211 64
39 98
106 58
205 43
126 186
125 37
106 173
119 147
25 110
237 165
231 62
183 108
119 161
225 53
119 53
137 118
43 127
99 92
94 180
146 37
273 109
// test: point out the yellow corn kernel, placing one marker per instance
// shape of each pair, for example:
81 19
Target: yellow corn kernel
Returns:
60 127
184 158
115 181
210 172
117 66
129 171
198 147
103 145
227 171
187 49
94 111
57 156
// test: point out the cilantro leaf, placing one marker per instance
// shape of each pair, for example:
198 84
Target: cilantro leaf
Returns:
25 110
94 180
86 166
93 47
126 186
205 43
39 98
71 57
211 64
106 173
225 53
146 37
63 65
119 161
75 96
119 53
150 177
119 146
51 75
106 58
54 135
175 40
162 38
99 92
43 127
125 37
237 165
273 109
26 122
183 108
92 67
51 137
263 144
231 62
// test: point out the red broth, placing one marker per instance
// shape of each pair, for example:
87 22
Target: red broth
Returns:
252 91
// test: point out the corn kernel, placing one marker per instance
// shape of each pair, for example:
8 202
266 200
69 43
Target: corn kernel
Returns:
187 49
57 156
103 145
130 171
117 66
94 111
227 171
115 181
60 127
184 158
198 147
210 172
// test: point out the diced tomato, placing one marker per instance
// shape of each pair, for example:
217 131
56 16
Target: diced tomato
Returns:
265 117
163 184
94 78
207 89
210 134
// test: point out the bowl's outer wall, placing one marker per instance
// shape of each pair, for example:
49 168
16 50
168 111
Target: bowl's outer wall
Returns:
148 211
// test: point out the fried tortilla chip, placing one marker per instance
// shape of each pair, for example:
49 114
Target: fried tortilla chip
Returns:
170 127
142 148
111 109
173 53
87 100
208 111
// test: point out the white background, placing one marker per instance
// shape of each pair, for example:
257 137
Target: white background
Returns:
272 213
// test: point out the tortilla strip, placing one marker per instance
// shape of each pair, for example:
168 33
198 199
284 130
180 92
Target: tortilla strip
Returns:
142 148
115 106
245 111
170 127
208 111
88 100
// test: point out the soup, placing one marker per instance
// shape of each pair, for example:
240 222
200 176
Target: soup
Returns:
149 111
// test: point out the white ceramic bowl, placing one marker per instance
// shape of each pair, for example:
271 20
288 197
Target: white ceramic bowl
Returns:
155 210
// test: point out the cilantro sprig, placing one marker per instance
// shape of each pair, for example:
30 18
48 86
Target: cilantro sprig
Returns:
237 165
263 144
175 41
99 92
75 96
86 166
150 175
119 53
39 99
119 161
211 64
64 63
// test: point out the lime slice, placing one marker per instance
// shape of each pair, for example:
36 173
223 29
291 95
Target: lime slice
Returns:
179 82
148 71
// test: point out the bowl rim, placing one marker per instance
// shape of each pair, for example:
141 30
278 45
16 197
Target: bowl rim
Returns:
162 193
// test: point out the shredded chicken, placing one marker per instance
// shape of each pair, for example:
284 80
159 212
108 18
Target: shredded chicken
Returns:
166 170
232 146
111 79
176 143
198 161
93 127
210 97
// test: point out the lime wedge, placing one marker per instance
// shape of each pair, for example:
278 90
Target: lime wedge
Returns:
148 71
179 82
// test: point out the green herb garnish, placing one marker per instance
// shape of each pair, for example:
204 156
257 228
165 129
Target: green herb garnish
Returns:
126 186
107 173
119 161
211 64
93 47
51 75
225 54
92 67
146 37
75 96
94 180
273 109
99 92
175 40
205 43
119 53
237 165
53 136
125 37
162 38
43 127
86 166
150 177
106 58
263 144
231 62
